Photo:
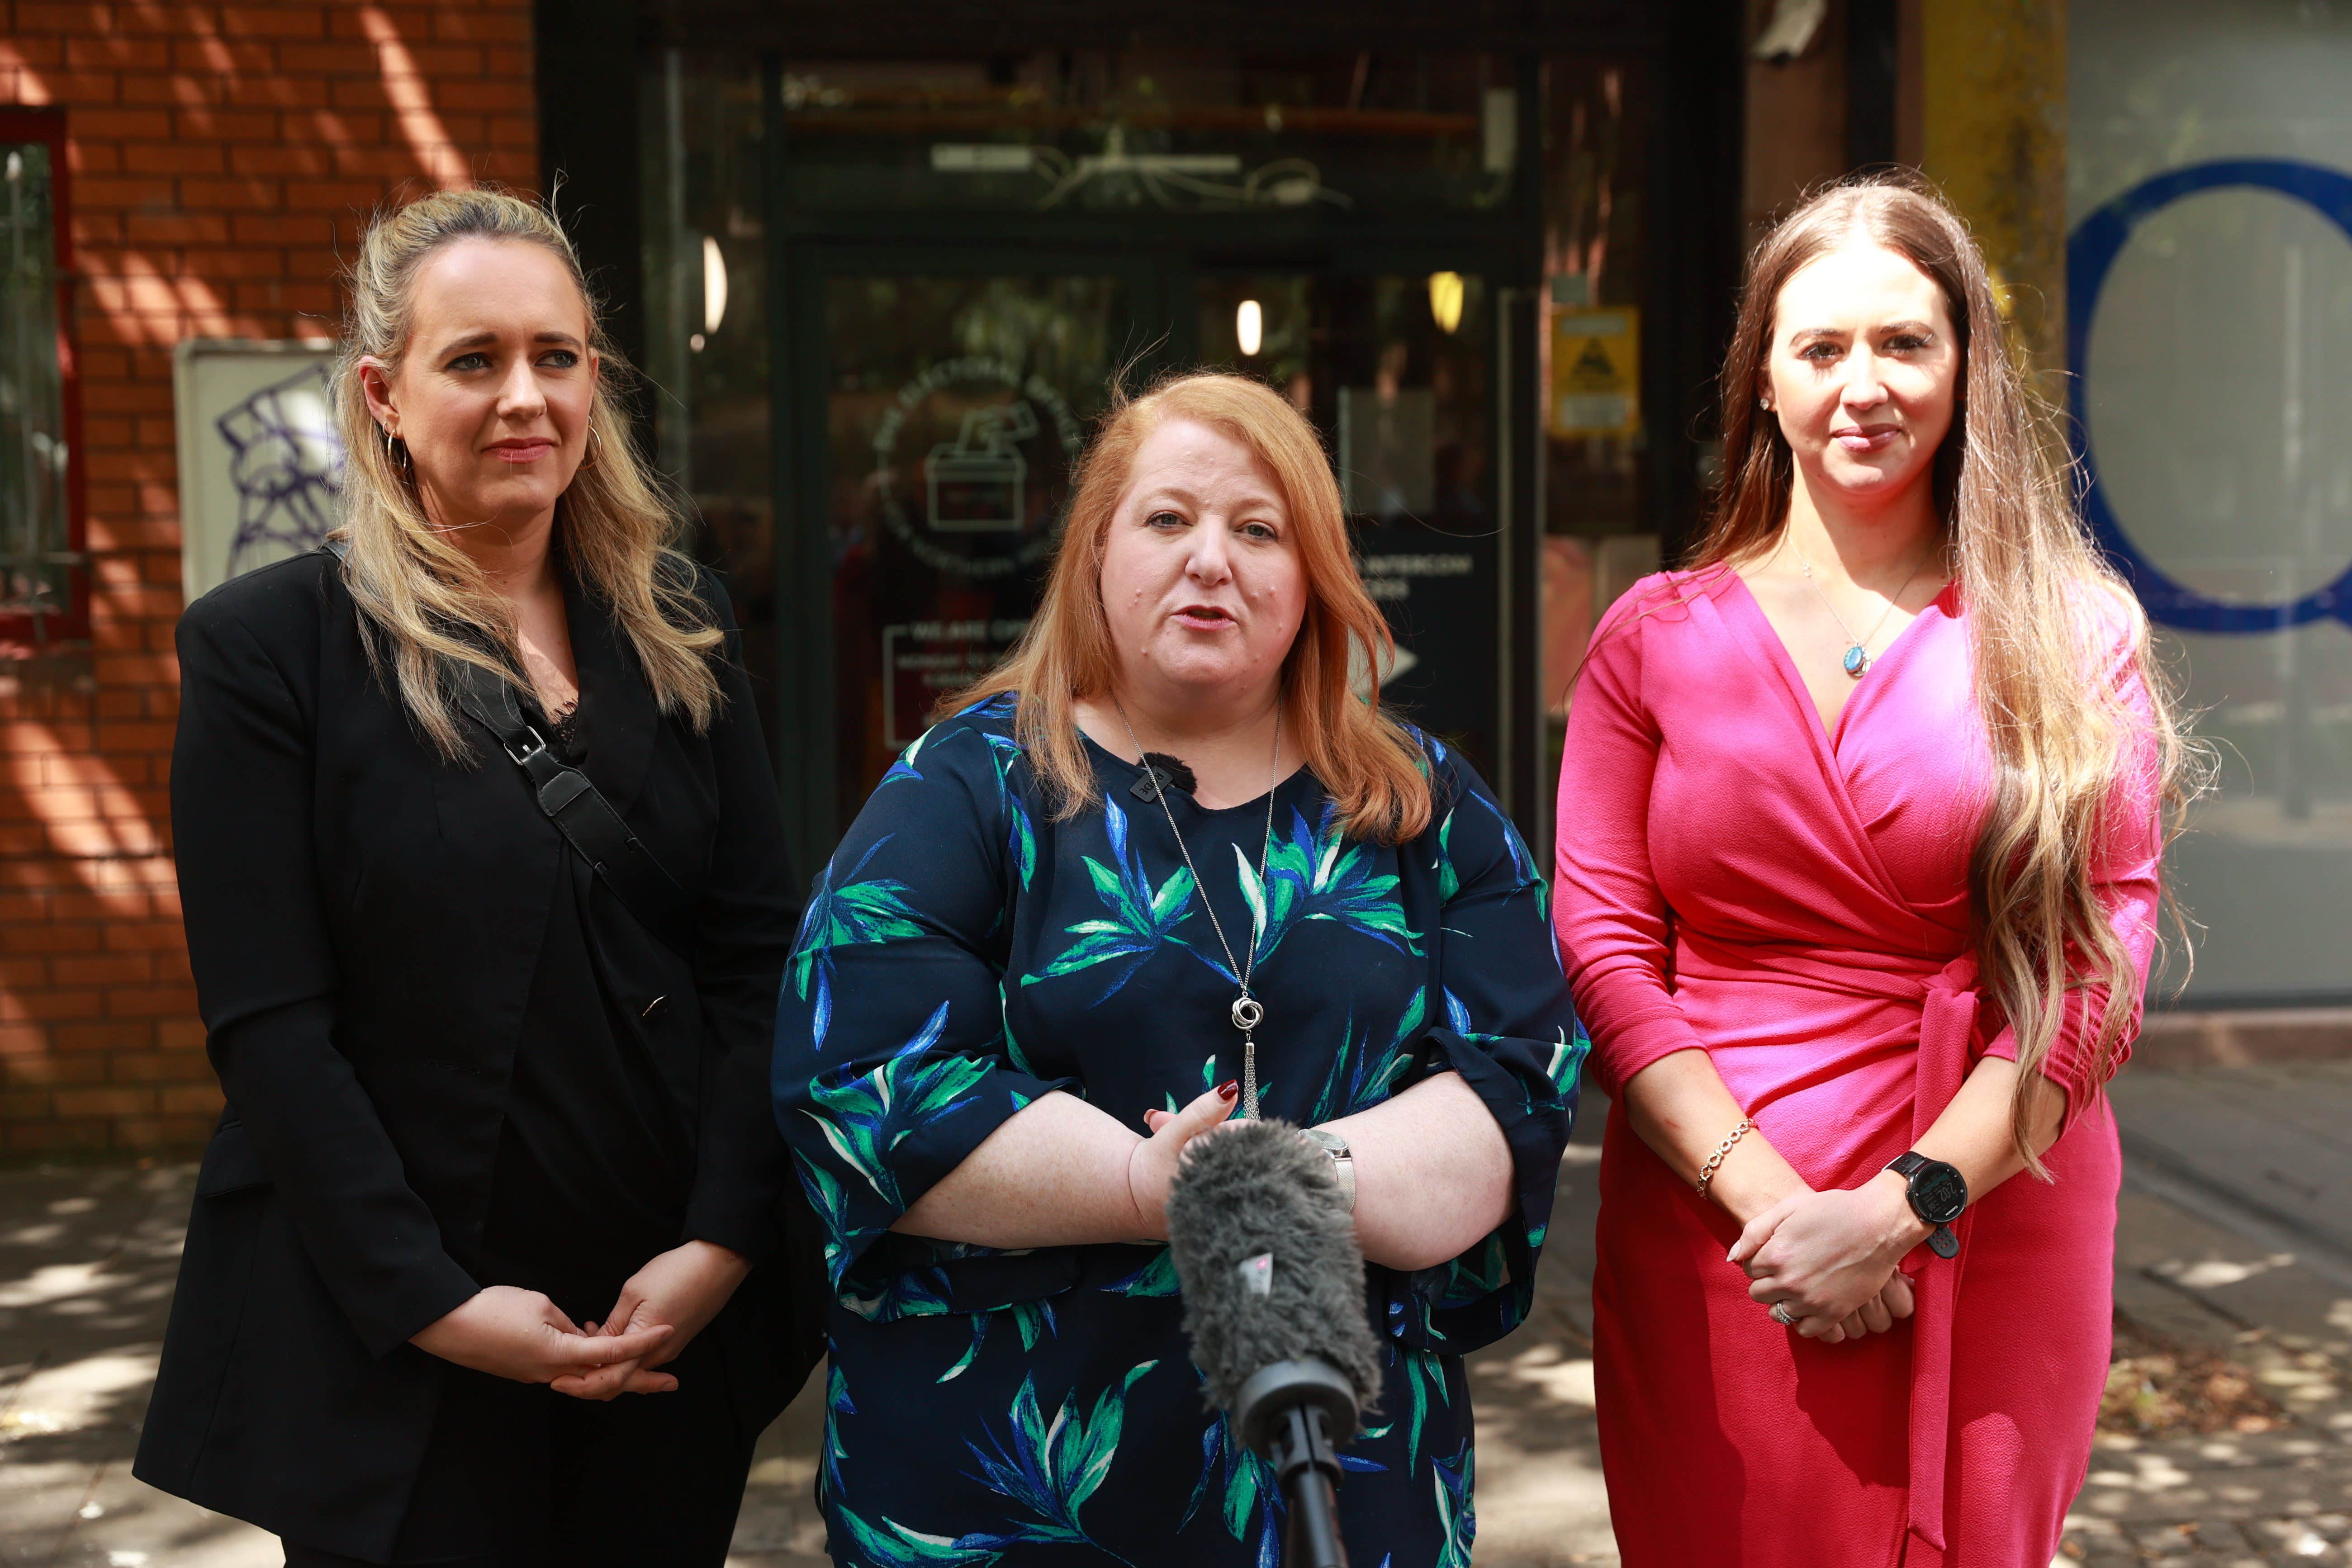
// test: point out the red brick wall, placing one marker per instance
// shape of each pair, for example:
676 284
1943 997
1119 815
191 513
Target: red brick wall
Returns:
222 157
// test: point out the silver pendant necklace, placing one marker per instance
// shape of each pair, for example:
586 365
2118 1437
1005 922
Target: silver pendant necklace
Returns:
1247 1012
1856 662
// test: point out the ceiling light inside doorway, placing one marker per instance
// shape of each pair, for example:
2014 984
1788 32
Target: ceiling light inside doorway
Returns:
1446 301
1249 327
714 285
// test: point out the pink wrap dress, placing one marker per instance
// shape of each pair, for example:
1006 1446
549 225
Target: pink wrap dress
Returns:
1794 901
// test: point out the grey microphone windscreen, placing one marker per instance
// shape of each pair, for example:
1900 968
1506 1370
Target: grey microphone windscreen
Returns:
1256 1190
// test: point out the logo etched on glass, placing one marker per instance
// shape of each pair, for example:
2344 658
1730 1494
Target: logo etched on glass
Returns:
974 482
980 485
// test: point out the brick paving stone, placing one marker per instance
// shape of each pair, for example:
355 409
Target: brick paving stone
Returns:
2100 1543
2293 1539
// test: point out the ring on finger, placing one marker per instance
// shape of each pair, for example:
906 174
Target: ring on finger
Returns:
1780 1314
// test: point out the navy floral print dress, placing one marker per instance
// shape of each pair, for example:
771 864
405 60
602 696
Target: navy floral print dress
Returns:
965 954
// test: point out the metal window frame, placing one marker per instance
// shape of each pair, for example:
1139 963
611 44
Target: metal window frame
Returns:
23 633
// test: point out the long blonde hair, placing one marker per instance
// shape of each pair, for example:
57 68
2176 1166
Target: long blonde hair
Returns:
1369 762
2068 736
423 603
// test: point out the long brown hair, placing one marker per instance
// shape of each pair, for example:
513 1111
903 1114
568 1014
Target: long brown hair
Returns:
2070 730
425 604
1365 758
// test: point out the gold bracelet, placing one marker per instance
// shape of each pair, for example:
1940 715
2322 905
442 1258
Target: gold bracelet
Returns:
1715 1160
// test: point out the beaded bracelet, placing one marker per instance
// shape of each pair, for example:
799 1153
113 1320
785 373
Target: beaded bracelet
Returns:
1715 1160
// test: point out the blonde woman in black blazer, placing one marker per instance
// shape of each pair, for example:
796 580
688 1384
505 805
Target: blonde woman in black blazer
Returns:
489 1262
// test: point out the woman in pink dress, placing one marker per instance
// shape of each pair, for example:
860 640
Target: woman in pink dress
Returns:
1859 834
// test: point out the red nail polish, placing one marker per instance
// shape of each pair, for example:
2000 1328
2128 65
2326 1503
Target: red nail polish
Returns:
1230 1089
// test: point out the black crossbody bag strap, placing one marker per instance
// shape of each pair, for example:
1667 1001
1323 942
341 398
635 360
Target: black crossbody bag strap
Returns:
580 812
567 798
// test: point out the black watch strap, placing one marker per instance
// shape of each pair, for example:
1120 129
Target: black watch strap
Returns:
1937 1192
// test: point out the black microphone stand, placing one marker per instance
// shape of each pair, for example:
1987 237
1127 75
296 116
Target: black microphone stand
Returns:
1303 1461
1286 1414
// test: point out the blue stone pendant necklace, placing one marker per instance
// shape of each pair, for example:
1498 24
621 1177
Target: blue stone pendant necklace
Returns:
1856 662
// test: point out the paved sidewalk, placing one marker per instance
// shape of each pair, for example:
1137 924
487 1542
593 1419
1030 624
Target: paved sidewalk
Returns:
2236 1237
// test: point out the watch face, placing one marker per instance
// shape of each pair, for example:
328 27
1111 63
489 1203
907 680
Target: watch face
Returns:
1938 1193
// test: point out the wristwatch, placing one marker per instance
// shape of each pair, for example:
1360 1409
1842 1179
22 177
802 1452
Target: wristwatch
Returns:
1343 1160
1938 1193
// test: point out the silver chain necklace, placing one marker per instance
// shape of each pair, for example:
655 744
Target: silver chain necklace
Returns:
1248 1012
1856 662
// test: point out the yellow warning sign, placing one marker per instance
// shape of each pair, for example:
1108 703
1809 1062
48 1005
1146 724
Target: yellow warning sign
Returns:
1596 373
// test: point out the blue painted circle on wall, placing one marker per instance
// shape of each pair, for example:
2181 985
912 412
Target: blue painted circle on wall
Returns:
2090 254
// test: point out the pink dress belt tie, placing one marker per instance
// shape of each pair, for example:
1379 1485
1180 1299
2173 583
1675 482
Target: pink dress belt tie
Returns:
1947 1028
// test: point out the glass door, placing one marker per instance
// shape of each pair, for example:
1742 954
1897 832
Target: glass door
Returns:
944 408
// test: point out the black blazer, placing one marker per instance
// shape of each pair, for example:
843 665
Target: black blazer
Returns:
363 922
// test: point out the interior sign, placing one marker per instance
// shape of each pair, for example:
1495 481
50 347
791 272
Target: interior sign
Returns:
1596 373
922 661
1387 578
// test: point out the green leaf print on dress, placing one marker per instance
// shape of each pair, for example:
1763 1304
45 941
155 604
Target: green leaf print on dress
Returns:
1568 1058
1156 1280
885 1543
1051 1468
1423 1373
909 1293
904 770
1317 874
1449 881
865 1116
1247 1482
1523 865
1455 1511
832 1207
836 1405
1141 920
1359 1079
856 912
1033 1319
1020 834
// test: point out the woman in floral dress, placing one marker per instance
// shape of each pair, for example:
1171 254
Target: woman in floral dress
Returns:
1012 1002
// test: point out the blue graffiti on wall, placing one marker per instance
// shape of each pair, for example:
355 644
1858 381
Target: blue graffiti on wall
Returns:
2090 255
284 457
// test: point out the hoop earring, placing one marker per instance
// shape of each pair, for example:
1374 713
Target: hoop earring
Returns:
395 452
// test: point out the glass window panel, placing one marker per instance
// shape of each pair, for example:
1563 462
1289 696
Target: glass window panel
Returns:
955 409
1096 131
1595 175
1601 523
706 329
1397 371
34 514
2214 400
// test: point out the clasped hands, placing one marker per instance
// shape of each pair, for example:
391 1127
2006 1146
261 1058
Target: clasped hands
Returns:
512 1332
1153 1161
1830 1260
